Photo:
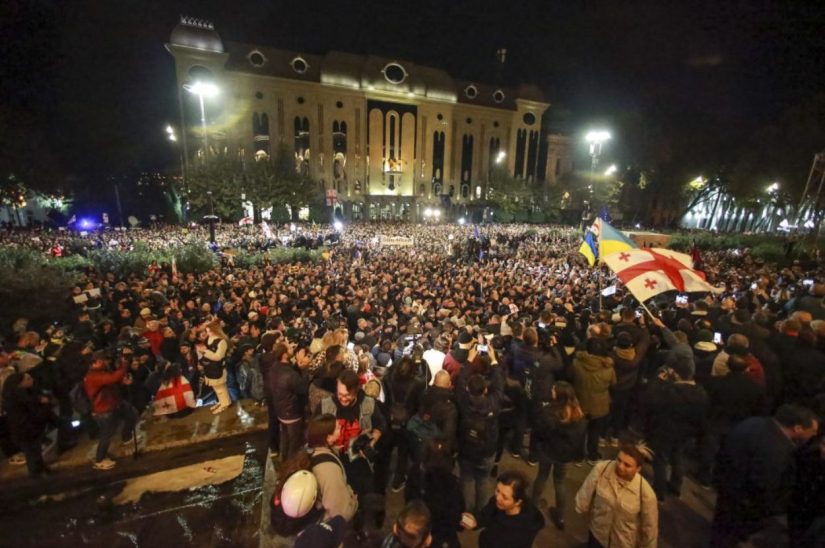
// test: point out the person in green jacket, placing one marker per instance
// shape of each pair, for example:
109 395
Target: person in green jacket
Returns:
593 375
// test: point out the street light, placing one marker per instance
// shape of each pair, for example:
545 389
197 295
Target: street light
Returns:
203 89
501 156
595 138
610 171
772 188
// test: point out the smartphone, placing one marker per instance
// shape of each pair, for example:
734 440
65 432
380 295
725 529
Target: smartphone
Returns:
681 299
350 346
717 338
807 282
753 285
638 314
481 348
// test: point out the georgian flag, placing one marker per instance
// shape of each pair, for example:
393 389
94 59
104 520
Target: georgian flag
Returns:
174 396
651 271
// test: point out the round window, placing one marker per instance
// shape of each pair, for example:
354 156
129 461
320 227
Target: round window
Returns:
394 73
529 118
200 73
440 117
300 100
471 91
299 65
257 59
495 124
469 120
259 95
498 96
339 104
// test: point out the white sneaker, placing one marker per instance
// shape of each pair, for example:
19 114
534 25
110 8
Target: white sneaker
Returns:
105 464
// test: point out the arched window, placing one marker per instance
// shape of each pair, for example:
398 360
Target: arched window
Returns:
465 191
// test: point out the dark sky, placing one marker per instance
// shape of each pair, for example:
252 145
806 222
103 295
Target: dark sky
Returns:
95 74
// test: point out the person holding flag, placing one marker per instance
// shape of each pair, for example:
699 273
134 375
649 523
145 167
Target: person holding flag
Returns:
603 239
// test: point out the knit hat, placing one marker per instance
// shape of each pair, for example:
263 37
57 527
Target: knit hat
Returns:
680 359
704 341
465 340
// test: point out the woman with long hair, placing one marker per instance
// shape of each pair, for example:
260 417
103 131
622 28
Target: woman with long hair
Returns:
213 356
335 497
559 429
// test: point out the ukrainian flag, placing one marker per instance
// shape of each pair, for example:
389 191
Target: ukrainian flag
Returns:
589 249
612 240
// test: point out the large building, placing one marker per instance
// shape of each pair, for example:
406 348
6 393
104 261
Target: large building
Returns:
389 137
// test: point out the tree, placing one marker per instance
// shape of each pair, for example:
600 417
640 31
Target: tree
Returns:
265 181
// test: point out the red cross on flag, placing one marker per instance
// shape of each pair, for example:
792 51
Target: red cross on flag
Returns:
174 396
648 272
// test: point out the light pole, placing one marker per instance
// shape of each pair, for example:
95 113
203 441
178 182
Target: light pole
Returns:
184 206
203 89
595 139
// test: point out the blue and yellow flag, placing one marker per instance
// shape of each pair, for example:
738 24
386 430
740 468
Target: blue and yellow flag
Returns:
589 249
612 240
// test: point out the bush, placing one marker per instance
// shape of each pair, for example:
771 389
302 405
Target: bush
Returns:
34 287
193 257
770 252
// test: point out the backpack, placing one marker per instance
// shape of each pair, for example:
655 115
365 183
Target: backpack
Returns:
256 379
399 414
287 526
80 400
419 431
477 431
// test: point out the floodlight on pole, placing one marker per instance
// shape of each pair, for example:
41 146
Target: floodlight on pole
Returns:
203 89
501 156
595 138
610 171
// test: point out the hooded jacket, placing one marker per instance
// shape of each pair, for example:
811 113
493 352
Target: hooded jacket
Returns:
592 378
626 361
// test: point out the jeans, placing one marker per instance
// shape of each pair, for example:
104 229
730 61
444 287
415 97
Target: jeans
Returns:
620 411
595 430
274 429
667 452
476 483
107 424
292 438
559 473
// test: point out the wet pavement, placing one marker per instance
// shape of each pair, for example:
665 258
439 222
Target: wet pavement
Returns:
227 514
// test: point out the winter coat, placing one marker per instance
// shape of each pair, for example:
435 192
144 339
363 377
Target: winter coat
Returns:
558 441
733 398
499 529
26 415
288 388
674 411
592 378
103 390
626 362
334 494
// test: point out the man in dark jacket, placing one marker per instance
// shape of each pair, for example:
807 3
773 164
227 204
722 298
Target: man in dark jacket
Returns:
755 470
804 371
479 403
439 398
288 388
627 358
675 410
733 398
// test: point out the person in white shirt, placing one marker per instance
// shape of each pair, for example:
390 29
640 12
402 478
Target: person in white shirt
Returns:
435 357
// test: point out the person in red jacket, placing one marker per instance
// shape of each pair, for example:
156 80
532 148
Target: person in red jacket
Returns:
108 407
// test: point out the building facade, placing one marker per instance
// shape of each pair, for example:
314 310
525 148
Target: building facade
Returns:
386 137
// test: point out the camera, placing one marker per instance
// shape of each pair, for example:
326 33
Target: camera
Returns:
361 445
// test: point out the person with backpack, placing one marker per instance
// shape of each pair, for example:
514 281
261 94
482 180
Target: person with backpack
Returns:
622 504
479 403
404 392
559 432
102 387
333 496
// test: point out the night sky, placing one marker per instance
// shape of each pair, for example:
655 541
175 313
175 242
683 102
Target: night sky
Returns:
94 83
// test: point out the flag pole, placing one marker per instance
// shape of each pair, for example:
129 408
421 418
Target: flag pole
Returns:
649 313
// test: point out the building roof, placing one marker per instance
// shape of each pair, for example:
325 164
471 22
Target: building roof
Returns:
197 34
373 73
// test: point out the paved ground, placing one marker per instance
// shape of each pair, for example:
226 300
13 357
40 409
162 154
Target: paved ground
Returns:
73 507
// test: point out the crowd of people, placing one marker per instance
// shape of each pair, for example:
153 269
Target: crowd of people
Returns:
414 356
